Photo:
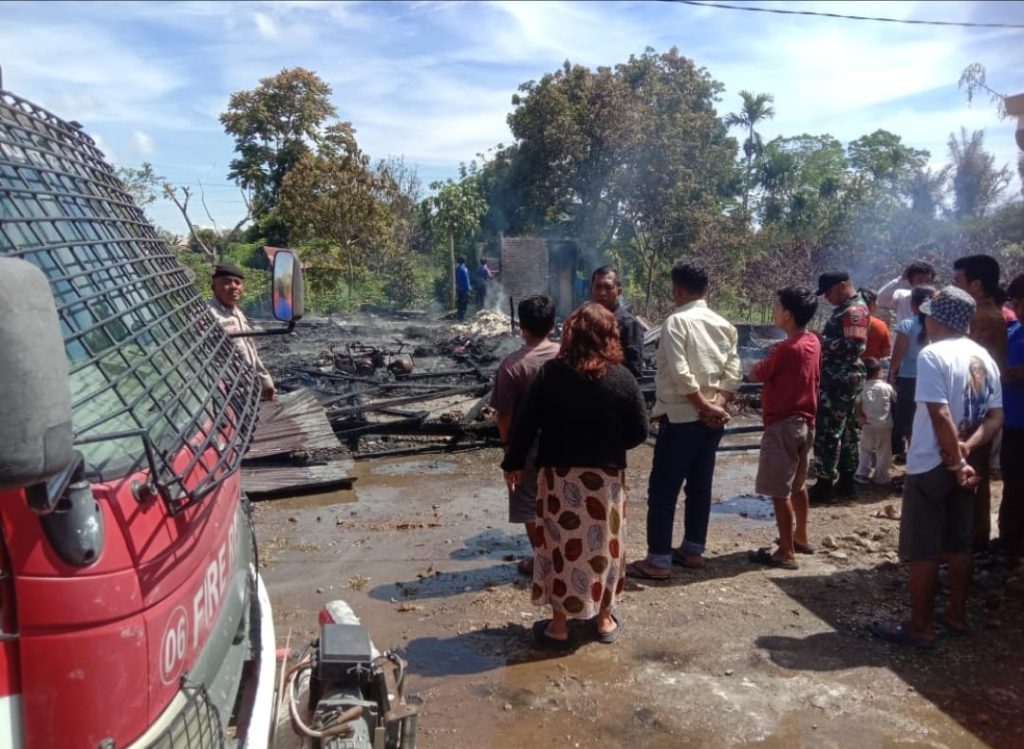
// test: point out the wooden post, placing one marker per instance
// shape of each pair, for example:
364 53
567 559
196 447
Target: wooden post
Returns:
451 252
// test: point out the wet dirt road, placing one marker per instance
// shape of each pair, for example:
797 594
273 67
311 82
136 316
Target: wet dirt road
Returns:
729 656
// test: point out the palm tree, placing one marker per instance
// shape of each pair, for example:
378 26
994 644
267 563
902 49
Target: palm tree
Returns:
927 190
976 181
756 108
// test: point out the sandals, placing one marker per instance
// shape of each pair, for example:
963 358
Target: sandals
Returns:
679 559
546 641
764 556
896 633
952 631
607 638
641 569
800 548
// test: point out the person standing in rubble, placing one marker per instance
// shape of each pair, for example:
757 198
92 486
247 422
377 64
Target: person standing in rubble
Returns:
960 406
699 373
895 295
462 288
511 384
484 276
842 375
589 411
978 275
606 290
228 284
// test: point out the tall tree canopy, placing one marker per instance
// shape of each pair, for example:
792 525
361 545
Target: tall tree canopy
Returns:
977 183
632 161
274 125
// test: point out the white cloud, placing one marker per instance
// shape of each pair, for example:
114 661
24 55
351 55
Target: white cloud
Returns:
433 80
142 143
266 27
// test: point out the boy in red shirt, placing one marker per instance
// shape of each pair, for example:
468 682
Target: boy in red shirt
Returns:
789 403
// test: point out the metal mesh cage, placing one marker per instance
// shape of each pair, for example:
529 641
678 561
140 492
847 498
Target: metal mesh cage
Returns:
196 726
153 378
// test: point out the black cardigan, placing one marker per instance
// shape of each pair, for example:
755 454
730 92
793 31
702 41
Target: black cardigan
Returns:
582 422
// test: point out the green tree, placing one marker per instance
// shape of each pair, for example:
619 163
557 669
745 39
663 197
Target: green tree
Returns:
274 125
677 175
755 108
332 200
885 160
455 211
140 182
926 191
633 162
571 129
976 182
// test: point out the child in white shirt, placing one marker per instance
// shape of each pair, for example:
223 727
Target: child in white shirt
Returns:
874 413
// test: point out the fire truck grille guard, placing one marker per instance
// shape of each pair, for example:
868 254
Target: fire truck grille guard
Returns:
196 726
154 380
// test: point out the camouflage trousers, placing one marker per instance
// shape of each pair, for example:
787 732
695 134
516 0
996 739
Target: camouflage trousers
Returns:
835 433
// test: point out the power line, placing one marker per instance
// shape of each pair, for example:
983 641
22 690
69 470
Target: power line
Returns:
780 11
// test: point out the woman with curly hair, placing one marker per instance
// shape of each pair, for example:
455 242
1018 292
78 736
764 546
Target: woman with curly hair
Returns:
589 411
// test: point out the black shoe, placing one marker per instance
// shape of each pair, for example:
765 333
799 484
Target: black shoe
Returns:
822 493
846 488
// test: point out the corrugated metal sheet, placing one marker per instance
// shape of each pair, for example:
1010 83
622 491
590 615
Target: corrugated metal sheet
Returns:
292 422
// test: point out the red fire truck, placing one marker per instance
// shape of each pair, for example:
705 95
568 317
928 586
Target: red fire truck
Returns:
131 608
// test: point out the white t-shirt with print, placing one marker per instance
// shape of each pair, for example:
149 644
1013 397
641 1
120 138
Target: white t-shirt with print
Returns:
961 374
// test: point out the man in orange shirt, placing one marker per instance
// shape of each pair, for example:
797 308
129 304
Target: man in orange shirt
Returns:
879 345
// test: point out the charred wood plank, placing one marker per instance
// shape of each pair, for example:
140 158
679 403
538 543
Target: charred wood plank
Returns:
422 397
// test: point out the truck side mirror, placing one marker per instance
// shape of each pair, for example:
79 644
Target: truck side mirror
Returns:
287 290
36 437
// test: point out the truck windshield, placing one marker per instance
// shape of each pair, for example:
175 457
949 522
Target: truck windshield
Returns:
154 381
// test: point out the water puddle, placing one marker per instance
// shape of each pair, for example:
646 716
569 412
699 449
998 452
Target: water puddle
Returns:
414 468
748 506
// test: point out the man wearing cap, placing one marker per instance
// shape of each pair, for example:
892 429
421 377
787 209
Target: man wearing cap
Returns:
228 286
842 374
959 408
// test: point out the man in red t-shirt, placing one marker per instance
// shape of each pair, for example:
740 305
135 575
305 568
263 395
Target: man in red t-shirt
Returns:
789 403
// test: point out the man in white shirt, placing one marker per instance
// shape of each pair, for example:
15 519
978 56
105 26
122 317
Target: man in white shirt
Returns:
895 295
228 287
698 374
960 406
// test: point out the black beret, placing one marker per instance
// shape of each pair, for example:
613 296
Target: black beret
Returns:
830 278
227 268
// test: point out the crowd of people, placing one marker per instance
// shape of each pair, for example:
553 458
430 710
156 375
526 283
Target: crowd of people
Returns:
934 392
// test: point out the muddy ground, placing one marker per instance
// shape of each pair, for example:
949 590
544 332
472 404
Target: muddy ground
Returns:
732 655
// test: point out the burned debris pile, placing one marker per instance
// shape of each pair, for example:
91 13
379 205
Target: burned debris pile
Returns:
392 385
401 384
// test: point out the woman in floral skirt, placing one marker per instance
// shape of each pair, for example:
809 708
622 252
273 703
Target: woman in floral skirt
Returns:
589 411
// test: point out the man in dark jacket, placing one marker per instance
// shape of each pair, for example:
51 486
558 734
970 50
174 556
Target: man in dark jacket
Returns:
605 289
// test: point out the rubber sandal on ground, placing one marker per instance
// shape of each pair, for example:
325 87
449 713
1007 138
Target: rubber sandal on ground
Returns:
800 548
764 556
952 631
544 640
607 638
643 571
895 632
681 561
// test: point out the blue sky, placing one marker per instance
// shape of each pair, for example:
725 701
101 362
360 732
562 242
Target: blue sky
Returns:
432 81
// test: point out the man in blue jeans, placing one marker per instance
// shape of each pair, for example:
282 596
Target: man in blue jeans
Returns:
698 375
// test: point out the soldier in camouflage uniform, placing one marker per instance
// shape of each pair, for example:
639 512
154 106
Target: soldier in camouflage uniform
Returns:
842 376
